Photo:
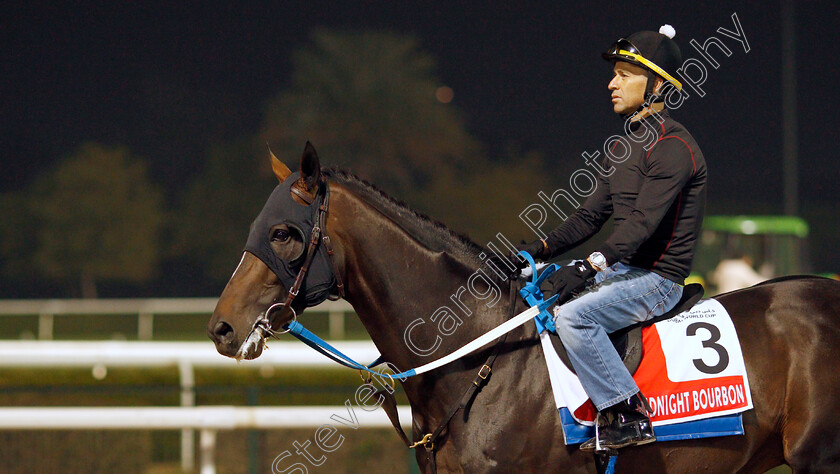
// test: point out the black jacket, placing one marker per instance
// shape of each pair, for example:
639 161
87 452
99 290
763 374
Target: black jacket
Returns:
656 197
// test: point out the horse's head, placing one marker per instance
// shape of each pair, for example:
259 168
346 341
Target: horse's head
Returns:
286 265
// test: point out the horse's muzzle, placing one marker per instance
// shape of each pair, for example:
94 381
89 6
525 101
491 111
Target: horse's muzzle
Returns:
223 335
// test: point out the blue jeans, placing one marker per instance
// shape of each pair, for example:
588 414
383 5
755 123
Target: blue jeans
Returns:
621 295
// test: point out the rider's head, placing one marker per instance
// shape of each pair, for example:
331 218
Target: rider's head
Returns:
644 68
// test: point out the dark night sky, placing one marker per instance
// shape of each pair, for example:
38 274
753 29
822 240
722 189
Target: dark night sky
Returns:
168 81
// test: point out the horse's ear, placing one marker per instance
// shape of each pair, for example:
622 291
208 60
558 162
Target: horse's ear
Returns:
310 167
280 169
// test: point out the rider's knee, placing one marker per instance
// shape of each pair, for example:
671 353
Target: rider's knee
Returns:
575 315
564 319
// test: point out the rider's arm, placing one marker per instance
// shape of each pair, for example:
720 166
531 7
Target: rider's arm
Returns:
669 167
583 223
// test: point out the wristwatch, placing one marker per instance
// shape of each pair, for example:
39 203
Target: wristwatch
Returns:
598 261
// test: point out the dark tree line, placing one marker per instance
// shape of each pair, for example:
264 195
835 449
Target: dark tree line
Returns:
368 103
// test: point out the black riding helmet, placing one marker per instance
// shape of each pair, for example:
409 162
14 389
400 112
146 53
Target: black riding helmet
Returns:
656 52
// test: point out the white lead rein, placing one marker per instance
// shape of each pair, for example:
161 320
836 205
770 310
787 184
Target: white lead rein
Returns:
476 344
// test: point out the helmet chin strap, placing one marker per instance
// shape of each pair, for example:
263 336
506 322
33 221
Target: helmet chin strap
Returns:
651 97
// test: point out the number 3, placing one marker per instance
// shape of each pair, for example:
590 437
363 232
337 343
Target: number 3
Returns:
711 342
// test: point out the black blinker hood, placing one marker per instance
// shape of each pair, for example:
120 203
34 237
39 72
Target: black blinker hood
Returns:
282 209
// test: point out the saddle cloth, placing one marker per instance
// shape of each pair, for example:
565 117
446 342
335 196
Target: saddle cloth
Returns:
692 373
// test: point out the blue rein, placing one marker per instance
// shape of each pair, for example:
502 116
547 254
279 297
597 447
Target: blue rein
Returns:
312 340
530 292
533 295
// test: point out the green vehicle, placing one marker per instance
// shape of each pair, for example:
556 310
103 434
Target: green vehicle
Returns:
774 245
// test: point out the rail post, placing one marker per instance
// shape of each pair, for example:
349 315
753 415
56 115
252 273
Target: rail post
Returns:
45 326
336 322
208 450
145 326
187 376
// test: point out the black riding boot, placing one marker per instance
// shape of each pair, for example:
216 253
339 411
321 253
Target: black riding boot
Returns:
626 423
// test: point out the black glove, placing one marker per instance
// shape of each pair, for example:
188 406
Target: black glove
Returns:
536 249
569 280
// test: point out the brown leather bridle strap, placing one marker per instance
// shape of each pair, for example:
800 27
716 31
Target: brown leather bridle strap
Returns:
318 231
322 223
310 252
304 196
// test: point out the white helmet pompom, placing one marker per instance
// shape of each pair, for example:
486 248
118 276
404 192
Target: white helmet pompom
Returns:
668 31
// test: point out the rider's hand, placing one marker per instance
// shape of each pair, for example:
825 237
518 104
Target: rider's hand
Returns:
537 249
569 280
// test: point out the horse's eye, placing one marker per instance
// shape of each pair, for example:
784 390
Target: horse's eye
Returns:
280 235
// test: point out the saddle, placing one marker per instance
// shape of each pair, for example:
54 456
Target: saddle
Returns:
628 341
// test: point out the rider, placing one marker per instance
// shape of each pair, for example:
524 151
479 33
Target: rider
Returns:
655 194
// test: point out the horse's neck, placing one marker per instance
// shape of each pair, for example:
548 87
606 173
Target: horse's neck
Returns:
419 305
416 304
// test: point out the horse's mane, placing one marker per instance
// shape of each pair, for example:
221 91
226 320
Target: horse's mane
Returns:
432 233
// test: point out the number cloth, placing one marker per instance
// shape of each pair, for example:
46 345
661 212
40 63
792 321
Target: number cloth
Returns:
692 374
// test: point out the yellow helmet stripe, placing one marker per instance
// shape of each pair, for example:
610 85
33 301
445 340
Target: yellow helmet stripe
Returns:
654 67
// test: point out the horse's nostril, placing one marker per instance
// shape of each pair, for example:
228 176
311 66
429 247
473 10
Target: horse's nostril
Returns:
223 332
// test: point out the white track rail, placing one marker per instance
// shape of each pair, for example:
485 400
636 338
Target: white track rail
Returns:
145 309
290 353
183 356
207 419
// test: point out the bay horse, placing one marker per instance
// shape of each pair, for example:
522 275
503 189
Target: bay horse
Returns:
399 268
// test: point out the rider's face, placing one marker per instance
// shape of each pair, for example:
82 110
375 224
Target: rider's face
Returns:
627 87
